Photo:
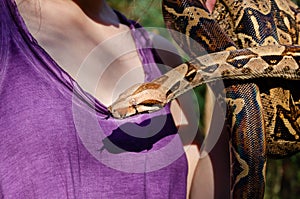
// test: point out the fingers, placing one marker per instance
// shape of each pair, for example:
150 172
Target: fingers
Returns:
210 4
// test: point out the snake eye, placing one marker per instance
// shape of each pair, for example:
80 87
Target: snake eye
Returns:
133 102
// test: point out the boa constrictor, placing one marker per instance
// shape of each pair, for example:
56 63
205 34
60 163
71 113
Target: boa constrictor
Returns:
253 48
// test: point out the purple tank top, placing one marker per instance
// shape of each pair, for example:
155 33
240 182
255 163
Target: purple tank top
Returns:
57 141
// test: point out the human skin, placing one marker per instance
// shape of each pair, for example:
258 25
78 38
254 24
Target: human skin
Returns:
84 25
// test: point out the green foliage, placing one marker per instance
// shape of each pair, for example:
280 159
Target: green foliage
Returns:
297 2
148 13
283 178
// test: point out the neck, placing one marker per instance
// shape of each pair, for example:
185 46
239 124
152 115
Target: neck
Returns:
61 26
96 10
70 30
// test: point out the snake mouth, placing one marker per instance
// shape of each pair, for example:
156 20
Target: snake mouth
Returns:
110 112
115 113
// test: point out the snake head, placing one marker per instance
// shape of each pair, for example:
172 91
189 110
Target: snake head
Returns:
140 98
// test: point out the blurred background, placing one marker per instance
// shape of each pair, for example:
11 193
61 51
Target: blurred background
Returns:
283 176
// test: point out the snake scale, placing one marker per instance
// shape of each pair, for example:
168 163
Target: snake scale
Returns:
251 45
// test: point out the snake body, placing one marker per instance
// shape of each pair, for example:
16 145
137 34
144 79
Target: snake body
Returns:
241 64
253 47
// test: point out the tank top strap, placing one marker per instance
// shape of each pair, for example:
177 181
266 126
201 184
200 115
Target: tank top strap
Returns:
144 45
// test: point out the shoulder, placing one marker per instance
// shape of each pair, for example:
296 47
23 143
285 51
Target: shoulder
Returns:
166 51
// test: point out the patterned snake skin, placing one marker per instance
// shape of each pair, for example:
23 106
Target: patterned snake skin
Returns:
253 48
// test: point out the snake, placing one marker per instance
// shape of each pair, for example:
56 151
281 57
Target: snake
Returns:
253 47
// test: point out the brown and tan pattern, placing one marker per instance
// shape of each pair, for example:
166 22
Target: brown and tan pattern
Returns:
253 47
272 61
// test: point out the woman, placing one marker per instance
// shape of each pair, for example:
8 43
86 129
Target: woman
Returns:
52 129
